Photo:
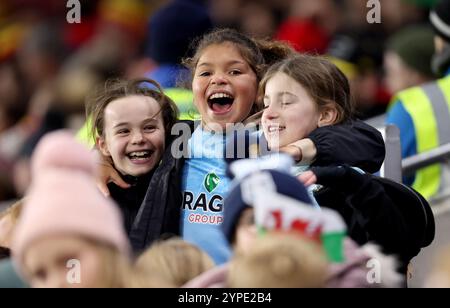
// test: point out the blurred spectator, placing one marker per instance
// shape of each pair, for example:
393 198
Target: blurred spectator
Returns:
224 13
77 34
257 19
358 56
39 89
12 96
65 217
310 25
174 260
279 261
396 14
115 44
130 15
422 113
57 107
41 55
355 15
44 8
407 58
14 129
12 34
303 35
171 32
280 6
101 52
324 13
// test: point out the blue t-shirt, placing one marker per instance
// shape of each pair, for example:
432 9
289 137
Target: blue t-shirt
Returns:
204 187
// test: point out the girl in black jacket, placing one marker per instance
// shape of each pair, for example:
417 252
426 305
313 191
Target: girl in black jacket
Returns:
131 139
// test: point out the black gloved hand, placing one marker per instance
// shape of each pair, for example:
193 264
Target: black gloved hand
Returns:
342 178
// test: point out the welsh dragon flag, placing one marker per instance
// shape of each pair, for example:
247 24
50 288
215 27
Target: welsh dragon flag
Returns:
275 212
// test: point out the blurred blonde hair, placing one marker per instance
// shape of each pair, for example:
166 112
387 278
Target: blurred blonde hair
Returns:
175 261
440 274
138 279
118 272
115 268
13 211
8 222
279 261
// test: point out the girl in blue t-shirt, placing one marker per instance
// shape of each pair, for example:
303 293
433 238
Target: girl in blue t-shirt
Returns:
226 70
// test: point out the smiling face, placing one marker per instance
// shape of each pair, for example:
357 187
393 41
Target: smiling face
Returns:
290 113
134 134
49 261
224 85
399 75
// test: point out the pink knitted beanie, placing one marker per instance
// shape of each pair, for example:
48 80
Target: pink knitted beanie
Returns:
64 199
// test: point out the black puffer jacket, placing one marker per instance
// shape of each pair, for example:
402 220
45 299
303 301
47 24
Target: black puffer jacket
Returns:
378 210
130 199
354 143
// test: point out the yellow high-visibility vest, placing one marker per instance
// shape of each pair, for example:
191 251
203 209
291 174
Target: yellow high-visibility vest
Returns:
185 102
429 108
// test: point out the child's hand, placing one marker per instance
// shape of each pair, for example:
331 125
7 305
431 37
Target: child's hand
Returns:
294 151
107 174
303 151
307 178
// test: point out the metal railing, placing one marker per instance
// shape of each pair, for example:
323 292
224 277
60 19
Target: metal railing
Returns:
394 167
416 162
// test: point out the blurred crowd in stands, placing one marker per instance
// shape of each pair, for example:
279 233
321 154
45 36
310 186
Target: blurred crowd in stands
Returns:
47 65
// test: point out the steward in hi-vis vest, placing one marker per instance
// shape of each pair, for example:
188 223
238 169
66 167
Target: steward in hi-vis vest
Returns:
423 113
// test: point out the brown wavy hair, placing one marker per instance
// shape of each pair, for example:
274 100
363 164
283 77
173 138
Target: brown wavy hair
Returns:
116 89
259 54
322 80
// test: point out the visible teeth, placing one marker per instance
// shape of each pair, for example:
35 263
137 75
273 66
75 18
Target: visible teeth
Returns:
220 95
139 154
273 129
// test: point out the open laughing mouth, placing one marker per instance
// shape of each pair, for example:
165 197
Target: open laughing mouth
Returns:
221 102
140 157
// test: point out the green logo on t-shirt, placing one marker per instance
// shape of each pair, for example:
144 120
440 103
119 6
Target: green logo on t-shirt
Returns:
211 182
